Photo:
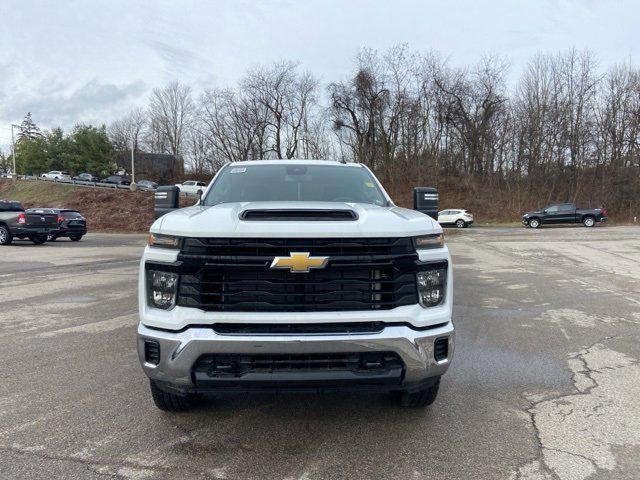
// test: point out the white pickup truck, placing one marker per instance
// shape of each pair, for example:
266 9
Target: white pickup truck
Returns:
295 275
191 187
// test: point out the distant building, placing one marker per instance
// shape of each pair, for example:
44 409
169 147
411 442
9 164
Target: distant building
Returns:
159 167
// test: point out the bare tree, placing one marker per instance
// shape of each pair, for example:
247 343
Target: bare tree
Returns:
618 117
198 152
565 129
128 130
359 108
171 110
233 125
288 98
476 104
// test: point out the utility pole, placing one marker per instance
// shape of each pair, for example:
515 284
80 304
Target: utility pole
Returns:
13 151
133 163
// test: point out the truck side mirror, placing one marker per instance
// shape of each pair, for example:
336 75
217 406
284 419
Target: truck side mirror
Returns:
167 199
425 200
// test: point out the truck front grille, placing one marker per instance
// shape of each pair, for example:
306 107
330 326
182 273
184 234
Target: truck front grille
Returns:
234 275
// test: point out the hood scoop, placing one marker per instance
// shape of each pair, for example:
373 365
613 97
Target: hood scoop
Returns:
299 214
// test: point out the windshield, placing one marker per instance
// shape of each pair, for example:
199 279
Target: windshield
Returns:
295 182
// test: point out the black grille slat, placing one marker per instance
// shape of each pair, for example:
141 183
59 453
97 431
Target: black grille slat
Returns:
152 352
239 365
233 275
257 306
289 289
280 246
441 349
298 328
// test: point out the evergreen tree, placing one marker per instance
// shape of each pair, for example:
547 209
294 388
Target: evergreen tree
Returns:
28 129
31 156
5 162
87 149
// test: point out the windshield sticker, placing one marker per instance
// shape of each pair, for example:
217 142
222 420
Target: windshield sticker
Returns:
368 184
238 170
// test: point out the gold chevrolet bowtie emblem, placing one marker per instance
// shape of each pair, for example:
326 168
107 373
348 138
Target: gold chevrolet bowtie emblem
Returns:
299 262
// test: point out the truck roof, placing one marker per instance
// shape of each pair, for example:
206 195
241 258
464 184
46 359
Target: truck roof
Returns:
295 160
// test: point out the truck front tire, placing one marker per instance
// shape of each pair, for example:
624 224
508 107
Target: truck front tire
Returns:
589 222
170 402
5 236
421 398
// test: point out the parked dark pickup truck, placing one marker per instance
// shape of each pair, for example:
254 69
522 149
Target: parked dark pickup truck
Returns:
16 223
564 213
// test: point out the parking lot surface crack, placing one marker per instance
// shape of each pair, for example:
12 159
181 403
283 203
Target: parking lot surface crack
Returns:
97 467
576 432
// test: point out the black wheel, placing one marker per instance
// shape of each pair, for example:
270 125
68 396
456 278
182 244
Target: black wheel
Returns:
421 398
170 402
461 223
75 238
534 223
39 239
589 222
5 236
51 238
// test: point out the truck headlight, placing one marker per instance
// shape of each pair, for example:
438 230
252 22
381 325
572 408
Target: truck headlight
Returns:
162 289
431 285
429 241
163 241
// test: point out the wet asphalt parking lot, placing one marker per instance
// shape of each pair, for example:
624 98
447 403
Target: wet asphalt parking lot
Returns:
545 383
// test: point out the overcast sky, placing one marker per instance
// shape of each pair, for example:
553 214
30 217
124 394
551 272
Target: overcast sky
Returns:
73 61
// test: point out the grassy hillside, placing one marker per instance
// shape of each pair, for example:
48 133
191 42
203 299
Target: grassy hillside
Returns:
105 210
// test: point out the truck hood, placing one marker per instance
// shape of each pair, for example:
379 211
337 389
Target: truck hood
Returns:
224 220
535 212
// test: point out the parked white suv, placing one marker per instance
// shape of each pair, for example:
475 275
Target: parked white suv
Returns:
191 187
459 218
297 275
56 175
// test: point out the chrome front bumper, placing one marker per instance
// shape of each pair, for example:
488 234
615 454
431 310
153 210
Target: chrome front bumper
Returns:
179 351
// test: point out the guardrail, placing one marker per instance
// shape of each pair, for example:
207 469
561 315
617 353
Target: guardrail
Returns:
82 183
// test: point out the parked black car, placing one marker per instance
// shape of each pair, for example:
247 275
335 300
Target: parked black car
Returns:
15 222
86 177
71 223
564 213
117 180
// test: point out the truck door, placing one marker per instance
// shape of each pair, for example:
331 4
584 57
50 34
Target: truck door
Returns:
552 214
566 213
